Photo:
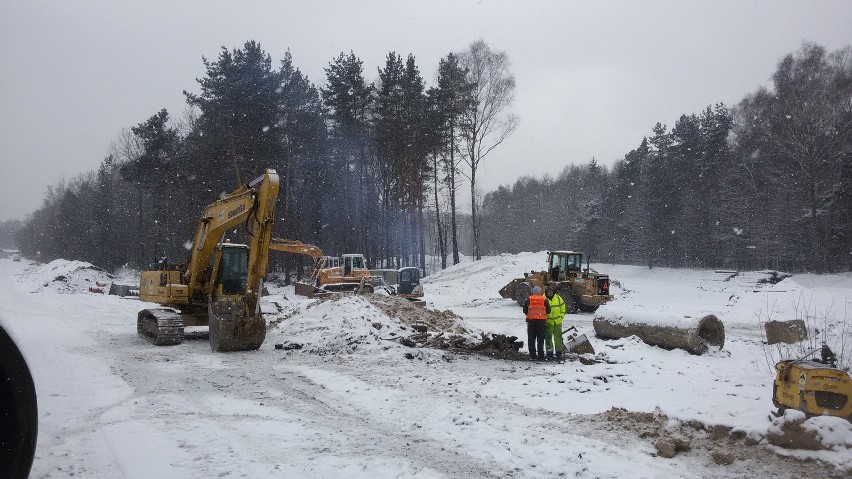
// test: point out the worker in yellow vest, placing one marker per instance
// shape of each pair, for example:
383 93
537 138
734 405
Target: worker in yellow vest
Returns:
553 326
536 307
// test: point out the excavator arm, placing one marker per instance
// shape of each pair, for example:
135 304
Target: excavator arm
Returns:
295 247
252 204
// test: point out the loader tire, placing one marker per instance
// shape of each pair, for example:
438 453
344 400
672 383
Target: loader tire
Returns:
570 300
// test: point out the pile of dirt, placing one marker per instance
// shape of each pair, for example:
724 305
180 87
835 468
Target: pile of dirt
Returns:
445 330
349 323
418 317
734 449
64 276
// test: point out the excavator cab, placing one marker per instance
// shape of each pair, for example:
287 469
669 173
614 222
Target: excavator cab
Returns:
409 279
233 269
353 264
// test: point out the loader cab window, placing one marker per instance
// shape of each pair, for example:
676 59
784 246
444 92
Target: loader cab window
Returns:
352 263
574 262
557 267
233 270
409 275
408 279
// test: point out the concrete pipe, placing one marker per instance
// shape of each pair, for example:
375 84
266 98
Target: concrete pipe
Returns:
691 335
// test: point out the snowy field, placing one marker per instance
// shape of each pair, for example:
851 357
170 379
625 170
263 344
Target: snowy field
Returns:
353 402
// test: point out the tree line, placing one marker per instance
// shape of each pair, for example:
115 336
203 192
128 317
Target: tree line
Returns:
766 184
377 168
372 168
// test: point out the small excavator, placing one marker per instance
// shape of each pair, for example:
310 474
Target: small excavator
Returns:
220 284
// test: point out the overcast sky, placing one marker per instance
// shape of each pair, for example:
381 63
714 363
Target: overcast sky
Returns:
592 77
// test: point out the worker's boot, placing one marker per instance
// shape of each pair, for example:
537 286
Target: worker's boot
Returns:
550 355
559 355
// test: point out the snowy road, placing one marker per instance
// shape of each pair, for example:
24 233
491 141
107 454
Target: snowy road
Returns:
112 405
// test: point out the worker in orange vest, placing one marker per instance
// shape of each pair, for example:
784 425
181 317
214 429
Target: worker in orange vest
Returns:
536 307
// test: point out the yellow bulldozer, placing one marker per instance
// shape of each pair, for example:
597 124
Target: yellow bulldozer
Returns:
345 274
582 289
220 284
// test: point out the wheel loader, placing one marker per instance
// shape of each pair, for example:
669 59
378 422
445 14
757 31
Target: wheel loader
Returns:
220 284
582 289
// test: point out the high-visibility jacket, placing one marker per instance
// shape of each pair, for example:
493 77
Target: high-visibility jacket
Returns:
557 308
536 308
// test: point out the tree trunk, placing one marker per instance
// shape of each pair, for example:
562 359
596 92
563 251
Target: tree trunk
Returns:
421 236
477 255
453 221
438 215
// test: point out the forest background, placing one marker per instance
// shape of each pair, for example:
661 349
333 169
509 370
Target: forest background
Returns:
378 168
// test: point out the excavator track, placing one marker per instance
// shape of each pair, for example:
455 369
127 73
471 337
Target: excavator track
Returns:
163 327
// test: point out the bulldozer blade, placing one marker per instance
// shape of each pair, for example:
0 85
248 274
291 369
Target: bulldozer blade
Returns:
578 345
305 289
232 329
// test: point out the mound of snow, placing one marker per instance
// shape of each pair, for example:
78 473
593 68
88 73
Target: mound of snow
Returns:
833 432
347 324
64 276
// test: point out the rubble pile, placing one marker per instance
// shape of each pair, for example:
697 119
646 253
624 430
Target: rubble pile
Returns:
442 329
65 276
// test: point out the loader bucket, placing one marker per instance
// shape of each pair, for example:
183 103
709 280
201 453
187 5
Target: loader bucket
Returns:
508 291
519 290
232 328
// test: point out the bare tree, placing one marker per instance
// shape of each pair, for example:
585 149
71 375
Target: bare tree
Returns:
487 122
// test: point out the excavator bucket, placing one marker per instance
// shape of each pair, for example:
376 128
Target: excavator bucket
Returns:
233 328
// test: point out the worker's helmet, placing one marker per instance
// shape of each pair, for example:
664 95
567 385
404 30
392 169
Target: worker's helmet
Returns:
536 290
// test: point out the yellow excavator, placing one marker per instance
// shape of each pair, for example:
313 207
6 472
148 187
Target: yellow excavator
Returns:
220 285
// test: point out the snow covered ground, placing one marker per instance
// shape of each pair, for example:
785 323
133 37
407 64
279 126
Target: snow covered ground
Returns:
354 402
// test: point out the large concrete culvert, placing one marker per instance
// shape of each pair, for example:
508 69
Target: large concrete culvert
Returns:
695 336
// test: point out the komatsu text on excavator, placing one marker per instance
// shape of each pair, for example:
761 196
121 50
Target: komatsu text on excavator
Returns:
220 285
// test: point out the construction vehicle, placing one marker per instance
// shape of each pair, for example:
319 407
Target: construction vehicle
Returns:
346 274
405 282
220 284
814 387
583 289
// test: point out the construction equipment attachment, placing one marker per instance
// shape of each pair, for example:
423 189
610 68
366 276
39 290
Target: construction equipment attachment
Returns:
576 343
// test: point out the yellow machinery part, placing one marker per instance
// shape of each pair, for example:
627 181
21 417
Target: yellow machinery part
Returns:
813 388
